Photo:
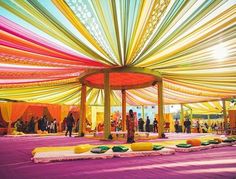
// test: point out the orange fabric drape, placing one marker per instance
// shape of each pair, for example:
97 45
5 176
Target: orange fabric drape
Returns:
55 111
33 110
232 118
18 110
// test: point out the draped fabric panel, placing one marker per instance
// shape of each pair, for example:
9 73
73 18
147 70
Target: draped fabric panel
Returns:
34 111
55 111
18 110
6 110
64 111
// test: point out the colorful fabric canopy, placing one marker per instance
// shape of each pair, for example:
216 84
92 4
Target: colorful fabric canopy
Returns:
214 107
46 45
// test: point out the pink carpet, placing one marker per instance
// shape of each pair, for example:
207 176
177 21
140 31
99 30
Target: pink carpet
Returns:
15 162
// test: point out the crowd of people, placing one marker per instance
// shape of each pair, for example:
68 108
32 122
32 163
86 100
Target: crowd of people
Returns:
51 126
43 124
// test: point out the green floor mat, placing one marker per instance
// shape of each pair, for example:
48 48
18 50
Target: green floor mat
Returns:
100 149
120 148
158 147
205 143
184 145
213 142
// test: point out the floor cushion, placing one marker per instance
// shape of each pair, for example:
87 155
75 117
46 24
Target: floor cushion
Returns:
100 149
213 142
142 146
205 143
82 148
120 148
218 139
158 147
194 142
228 140
184 145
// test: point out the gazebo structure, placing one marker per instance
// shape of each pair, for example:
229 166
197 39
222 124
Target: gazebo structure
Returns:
121 78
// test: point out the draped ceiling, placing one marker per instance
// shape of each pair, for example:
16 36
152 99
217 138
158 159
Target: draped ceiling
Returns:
46 45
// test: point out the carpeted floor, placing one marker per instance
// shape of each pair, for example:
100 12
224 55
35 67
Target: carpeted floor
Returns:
15 162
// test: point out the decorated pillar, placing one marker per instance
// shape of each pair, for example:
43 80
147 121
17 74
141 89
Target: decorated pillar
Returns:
82 120
160 109
107 106
182 116
123 110
224 114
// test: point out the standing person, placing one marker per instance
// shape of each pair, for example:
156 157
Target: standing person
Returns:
185 126
69 123
147 124
48 127
44 123
40 121
140 124
198 126
130 127
55 125
31 125
188 126
155 125
176 125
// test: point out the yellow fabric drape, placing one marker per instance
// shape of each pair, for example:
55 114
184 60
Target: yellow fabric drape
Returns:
6 110
64 112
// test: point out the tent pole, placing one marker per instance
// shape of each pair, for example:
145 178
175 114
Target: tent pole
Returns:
182 116
160 109
82 121
107 106
123 110
224 114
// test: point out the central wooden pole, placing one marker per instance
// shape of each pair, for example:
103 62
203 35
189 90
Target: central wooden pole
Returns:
160 109
182 117
123 110
224 114
82 120
107 106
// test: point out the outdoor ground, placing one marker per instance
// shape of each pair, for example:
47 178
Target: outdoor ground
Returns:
15 162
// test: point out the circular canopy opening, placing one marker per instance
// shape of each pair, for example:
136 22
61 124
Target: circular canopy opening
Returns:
121 78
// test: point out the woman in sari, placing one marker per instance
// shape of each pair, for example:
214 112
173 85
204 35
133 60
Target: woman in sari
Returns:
130 127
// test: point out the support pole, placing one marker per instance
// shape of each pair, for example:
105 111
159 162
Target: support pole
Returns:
191 115
224 114
82 121
123 110
160 109
143 115
182 117
9 128
107 106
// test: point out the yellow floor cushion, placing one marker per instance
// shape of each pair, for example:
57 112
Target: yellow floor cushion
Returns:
194 142
142 146
82 148
218 139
